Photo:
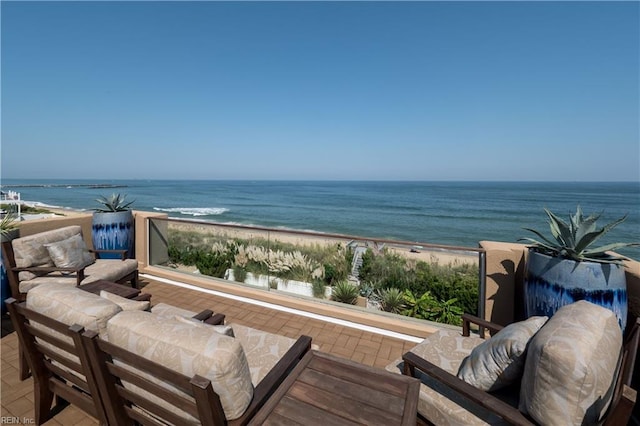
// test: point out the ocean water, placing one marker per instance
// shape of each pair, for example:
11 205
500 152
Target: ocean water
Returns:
450 213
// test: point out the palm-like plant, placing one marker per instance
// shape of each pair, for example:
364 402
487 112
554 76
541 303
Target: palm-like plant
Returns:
115 203
573 240
345 292
391 300
7 225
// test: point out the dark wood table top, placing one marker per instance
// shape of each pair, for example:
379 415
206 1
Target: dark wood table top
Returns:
326 390
121 290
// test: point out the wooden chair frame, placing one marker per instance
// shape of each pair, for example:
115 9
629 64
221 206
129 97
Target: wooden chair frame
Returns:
202 401
619 411
49 378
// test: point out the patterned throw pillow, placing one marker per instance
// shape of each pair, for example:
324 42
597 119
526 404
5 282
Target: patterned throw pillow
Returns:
124 303
569 375
70 253
499 361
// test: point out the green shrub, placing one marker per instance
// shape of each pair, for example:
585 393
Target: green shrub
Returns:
428 307
419 307
391 300
318 288
214 265
386 270
345 292
239 274
367 290
448 313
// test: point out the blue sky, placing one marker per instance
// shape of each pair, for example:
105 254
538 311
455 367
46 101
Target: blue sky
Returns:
322 90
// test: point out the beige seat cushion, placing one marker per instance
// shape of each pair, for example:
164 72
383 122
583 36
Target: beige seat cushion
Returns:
169 311
437 403
109 269
101 269
189 350
263 350
571 364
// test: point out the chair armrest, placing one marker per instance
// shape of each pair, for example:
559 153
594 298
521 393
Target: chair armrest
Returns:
142 297
123 253
484 399
215 319
468 319
48 269
620 412
203 315
274 378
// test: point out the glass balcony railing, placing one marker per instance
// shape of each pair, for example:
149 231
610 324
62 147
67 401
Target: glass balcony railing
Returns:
419 280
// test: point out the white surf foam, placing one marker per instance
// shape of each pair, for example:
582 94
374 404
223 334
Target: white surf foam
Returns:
194 211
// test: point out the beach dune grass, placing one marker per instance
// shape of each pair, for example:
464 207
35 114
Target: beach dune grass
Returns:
451 289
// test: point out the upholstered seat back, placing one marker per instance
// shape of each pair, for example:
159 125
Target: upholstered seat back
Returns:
571 366
70 305
190 349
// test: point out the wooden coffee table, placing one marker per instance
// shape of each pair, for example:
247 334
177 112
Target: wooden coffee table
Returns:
326 390
121 290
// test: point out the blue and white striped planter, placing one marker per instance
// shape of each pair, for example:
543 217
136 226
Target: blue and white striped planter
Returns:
113 231
551 283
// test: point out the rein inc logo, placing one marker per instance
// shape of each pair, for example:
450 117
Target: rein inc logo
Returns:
13 420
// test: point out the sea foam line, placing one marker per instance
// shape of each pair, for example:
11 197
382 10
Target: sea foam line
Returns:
194 211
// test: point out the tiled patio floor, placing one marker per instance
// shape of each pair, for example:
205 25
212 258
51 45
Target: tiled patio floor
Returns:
360 346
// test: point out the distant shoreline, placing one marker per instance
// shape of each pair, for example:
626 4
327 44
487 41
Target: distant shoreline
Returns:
61 185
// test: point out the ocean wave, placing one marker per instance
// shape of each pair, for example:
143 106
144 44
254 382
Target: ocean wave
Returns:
194 211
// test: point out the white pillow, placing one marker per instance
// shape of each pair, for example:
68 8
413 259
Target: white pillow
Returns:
499 361
126 304
70 253
222 329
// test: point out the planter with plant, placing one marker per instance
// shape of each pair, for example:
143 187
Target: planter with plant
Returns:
8 227
113 226
566 267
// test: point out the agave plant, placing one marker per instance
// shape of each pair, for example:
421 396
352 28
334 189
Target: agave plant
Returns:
345 292
391 300
115 203
8 224
573 240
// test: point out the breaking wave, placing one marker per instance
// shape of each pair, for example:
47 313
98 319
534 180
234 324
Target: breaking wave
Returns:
194 211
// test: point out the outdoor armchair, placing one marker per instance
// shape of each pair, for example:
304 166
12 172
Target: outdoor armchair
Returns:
60 256
198 376
49 324
581 344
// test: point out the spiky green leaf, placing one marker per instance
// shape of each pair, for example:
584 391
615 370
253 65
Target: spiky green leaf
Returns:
572 241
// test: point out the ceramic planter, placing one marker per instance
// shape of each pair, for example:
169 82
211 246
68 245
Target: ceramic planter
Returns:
113 231
552 282
5 288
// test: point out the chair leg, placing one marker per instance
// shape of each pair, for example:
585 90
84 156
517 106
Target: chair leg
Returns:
23 365
134 280
43 398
